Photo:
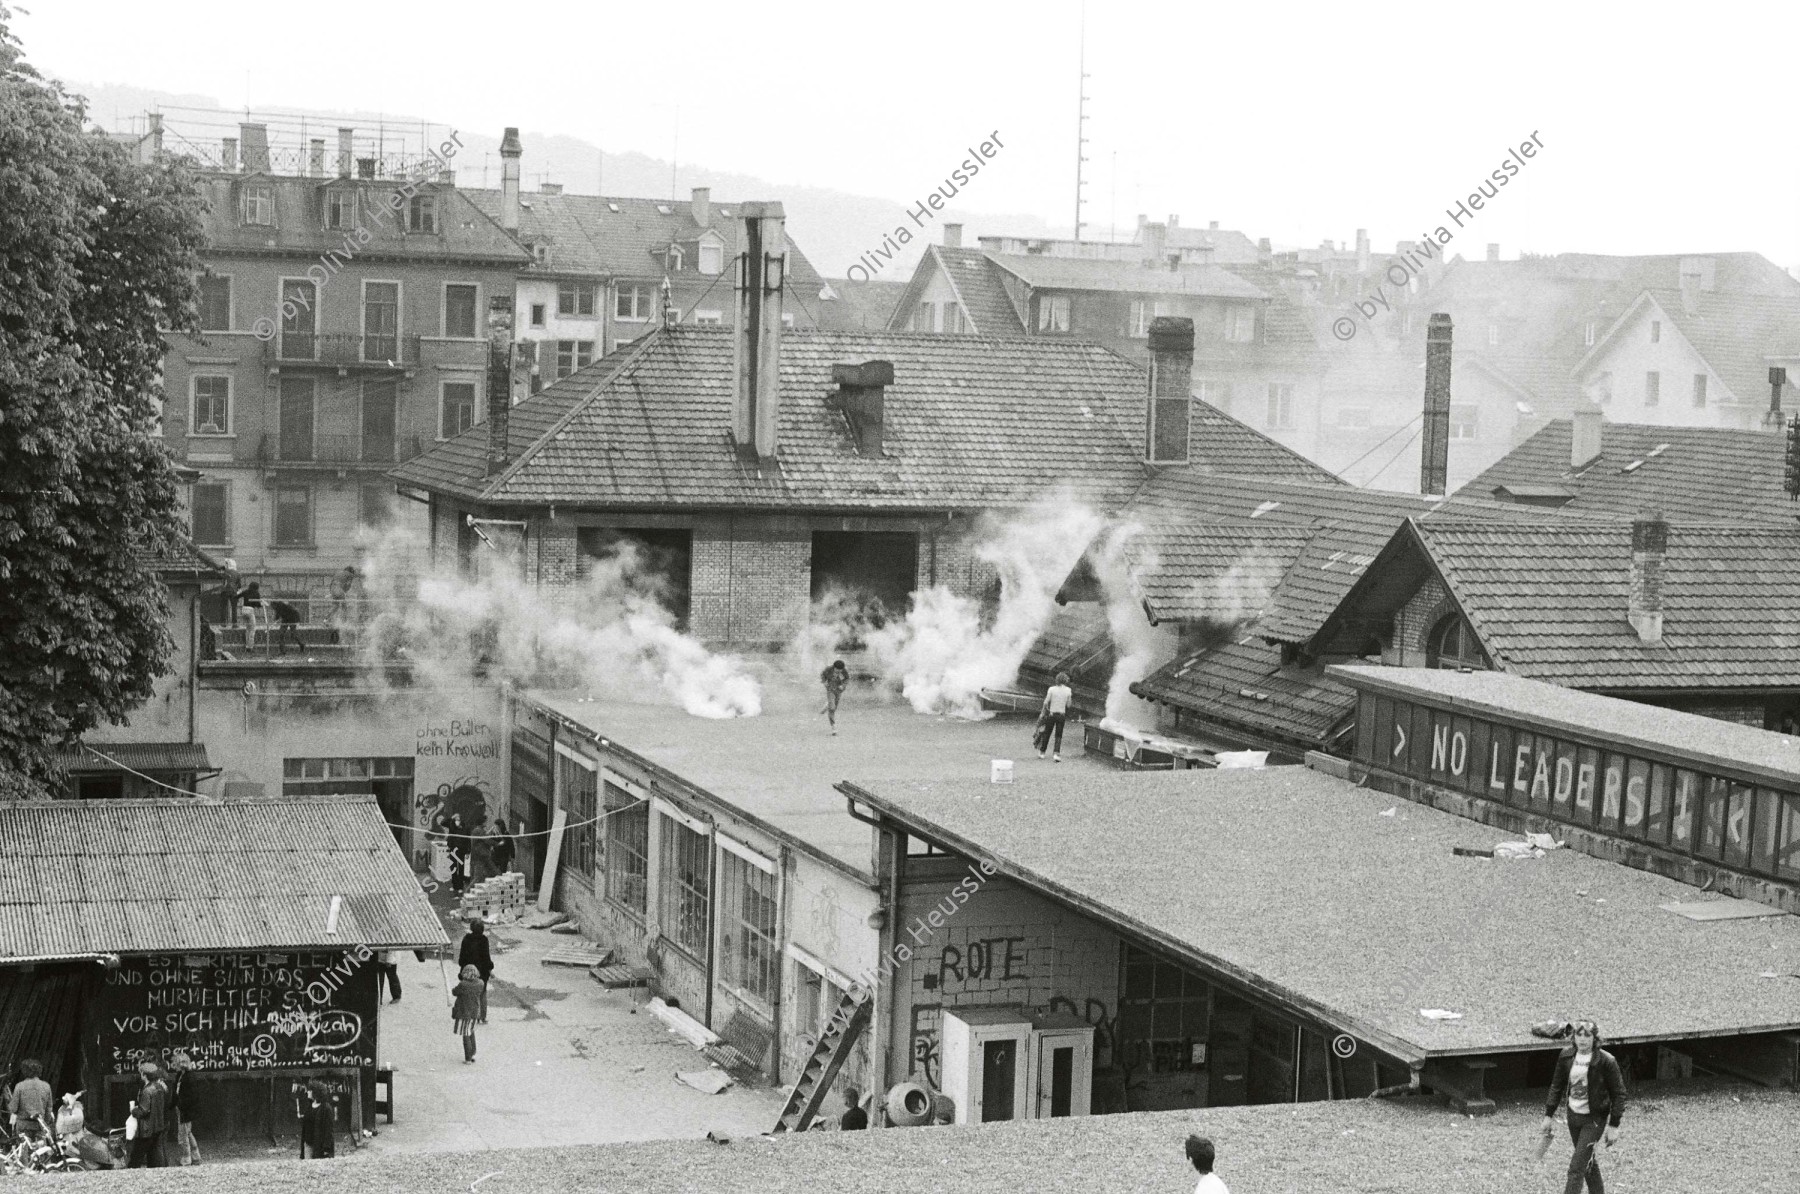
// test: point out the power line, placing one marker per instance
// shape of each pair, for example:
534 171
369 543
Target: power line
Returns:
1345 471
1390 460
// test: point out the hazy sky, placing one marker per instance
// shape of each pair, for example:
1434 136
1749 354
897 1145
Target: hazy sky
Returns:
1664 127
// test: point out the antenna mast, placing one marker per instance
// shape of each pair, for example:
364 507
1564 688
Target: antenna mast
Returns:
1080 120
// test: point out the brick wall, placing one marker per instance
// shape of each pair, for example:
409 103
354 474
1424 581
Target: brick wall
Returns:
750 585
1003 946
1414 623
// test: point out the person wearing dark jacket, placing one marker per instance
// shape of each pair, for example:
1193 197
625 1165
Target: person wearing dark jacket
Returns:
475 952
318 1119
500 850
465 1010
1588 1078
152 1107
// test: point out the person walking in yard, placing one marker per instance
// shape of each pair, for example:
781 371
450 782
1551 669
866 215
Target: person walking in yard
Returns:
835 678
459 844
31 1103
1056 712
466 1011
1200 1152
1588 1078
388 971
476 953
179 1147
152 1110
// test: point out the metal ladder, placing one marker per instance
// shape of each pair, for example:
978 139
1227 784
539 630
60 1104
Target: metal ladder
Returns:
828 1056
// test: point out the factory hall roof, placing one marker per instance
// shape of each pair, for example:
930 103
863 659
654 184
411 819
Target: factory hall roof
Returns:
79 878
1351 908
1690 474
1734 1131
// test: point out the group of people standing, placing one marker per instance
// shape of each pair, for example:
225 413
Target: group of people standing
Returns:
163 1132
472 851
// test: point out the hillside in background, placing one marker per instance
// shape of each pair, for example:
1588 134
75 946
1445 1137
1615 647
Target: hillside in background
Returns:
833 227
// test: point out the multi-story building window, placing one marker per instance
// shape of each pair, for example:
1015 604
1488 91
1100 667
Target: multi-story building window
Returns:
686 885
210 513
537 315
577 780
575 298
634 302
381 321
381 420
375 505
925 318
572 355
456 408
340 208
747 930
712 259
295 418
293 516
1138 320
299 318
1652 388
1240 324
259 203
212 405
215 303
1055 313
627 851
1588 334
1699 389
421 214
1464 420
460 306
1656 331
1281 405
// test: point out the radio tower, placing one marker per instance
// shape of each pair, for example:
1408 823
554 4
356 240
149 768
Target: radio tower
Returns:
1080 121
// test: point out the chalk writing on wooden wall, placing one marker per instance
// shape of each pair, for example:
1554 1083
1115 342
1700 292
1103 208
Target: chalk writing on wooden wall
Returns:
239 1011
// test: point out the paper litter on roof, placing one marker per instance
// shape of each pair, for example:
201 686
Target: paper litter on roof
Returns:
1438 1013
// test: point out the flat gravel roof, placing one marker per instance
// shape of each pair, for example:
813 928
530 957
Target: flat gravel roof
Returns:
1351 905
1714 1137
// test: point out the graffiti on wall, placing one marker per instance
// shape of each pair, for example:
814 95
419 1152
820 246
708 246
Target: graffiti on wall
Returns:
927 1019
466 797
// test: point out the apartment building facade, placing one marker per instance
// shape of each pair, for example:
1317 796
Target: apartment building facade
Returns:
344 328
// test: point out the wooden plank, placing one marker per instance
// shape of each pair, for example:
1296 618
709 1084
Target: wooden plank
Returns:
552 856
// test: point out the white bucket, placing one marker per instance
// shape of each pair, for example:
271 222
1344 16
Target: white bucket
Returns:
1001 771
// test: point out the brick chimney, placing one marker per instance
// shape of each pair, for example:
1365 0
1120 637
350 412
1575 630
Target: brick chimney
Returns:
701 206
256 147
1155 238
499 403
1772 420
861 395
1434 452
1362 250
510 152
953 236
1690 292
154 143
228 154
1584 435
756 358
1493 252
315 158
549 188
346 143
1649 553
1171 390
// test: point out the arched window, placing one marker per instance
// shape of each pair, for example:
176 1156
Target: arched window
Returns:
1453 645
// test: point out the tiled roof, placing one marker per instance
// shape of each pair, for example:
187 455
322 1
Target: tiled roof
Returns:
977 282
1297 878
588 237
1078 640
136 756
1227 445
1550 603
1219 573
863 306
1228 244
1350 526
167 876
1244 684
1086 273
1736 334
180 555
1704 474
467 234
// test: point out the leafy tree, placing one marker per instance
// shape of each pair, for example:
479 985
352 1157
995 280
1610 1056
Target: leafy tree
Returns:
98 256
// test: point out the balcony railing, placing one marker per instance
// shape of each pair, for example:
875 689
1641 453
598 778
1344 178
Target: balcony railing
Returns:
337 449
319 348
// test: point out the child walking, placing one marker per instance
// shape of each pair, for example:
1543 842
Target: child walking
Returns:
466 1011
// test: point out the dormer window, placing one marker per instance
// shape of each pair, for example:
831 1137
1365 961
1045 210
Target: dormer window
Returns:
675 258
340 208
712 259
540 253
421 214
259 203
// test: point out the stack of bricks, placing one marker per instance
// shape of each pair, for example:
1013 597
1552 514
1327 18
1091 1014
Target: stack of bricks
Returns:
495 898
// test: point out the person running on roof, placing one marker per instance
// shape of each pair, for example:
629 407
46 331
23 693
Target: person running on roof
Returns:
835 678
1056 710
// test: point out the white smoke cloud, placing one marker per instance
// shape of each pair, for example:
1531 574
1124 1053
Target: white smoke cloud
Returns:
608 635
948 647
1138 647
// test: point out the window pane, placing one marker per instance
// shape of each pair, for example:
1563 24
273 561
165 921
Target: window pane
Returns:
210 523
459 408
381 321
686 886
215 304
459 311
627 849
293 516
212 406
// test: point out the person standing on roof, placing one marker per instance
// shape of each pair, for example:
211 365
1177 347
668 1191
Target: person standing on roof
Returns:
835 678
1056 712
1595 1090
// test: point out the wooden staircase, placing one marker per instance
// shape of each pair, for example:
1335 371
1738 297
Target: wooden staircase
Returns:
847 1023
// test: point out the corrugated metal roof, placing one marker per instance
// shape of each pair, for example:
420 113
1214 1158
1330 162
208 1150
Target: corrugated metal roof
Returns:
160 876
136 756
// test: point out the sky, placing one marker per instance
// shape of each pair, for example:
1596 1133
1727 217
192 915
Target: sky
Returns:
1660 127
